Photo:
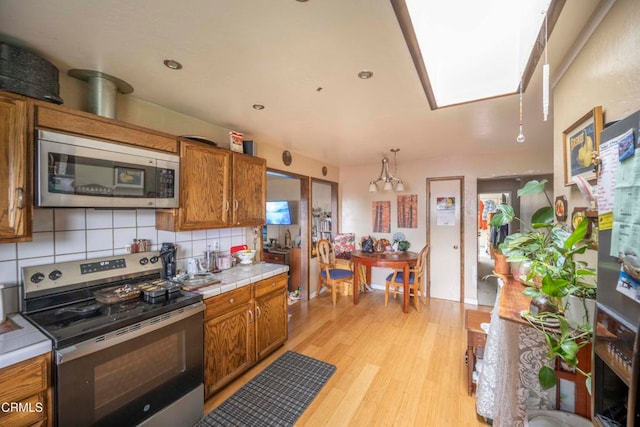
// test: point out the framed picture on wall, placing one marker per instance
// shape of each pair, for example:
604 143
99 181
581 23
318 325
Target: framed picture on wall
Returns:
580 141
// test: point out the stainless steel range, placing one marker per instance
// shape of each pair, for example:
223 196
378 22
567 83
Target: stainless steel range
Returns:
128 344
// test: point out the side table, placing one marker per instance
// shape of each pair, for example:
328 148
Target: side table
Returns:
476 340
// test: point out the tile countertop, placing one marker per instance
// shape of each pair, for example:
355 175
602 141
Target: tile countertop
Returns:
242 275
22 344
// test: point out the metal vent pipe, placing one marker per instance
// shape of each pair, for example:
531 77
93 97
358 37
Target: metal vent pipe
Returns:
103 89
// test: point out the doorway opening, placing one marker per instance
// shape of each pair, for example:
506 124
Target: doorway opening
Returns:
503 190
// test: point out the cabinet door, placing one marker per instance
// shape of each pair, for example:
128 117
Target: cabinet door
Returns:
15 169
271 321
229 347
204 186
249 190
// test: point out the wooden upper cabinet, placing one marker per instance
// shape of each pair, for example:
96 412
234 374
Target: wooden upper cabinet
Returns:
204 189
249 190
16 155
56 117
218 189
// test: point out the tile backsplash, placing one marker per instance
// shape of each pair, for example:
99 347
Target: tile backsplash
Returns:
72 234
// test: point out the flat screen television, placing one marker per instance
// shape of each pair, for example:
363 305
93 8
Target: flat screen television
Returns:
278 213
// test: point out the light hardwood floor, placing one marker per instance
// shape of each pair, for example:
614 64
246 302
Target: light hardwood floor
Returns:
393 369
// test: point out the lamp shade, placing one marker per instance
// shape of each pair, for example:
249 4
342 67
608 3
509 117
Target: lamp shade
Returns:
373 187
399 186
387 186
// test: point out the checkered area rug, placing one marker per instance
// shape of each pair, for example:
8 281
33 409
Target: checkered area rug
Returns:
275 397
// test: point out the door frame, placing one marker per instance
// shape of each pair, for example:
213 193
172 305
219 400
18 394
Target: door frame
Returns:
305 229
460 180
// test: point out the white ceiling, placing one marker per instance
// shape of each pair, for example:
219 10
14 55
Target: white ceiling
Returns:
237 53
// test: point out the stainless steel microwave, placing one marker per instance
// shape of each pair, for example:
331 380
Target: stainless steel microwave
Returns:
75 171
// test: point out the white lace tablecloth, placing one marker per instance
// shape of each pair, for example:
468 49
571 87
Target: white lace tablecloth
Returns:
508 384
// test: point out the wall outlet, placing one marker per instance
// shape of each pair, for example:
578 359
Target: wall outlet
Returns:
215 245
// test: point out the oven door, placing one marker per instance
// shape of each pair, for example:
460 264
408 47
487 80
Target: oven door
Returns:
126 377
82 172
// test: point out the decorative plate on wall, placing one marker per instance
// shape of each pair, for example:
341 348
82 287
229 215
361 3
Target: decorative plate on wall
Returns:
561 208
286 157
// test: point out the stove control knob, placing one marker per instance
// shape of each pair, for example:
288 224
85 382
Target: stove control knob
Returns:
37 278
144 261
154 259
55 274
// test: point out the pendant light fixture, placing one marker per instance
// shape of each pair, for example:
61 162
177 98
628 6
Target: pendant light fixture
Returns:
386 176
545 72
520 139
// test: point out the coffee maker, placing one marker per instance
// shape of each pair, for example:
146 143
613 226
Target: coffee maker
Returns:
168 255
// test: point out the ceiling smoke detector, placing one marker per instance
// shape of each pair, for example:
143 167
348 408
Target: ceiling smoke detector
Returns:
364 75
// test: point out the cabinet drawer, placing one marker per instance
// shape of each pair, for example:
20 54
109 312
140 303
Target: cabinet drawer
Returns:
28 411
271 284
476 339
220 304
274 258
24 379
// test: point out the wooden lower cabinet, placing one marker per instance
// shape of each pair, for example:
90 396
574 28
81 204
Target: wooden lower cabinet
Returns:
271 314
229 347
241 327
25 393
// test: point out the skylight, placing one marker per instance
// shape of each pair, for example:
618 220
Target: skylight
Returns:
468 50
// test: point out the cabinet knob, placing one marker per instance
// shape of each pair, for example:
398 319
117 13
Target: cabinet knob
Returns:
231 300
250 316
258 312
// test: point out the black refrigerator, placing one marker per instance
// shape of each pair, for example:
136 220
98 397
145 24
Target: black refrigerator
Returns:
616 356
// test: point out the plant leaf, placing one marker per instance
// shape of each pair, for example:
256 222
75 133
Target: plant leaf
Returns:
531 292
504 215
577 235
532 187
543 215
547 377
587 384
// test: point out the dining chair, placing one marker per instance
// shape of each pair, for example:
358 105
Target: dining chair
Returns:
395 280
328 274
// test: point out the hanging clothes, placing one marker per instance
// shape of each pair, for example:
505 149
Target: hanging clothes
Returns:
482 219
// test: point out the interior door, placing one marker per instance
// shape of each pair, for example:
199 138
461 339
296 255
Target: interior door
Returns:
445 237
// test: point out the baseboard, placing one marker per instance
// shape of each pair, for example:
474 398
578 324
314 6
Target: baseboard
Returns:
471 301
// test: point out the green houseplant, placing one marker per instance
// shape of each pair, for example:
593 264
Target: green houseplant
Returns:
547 250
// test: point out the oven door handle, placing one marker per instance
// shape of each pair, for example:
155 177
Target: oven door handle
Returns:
127 333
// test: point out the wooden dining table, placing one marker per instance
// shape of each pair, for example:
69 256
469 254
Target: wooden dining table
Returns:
397 260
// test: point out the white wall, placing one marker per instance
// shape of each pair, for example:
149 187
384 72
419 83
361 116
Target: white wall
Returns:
605 73
356 200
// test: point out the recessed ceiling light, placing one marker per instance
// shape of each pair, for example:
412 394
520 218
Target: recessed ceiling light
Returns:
302 1
258 107
365 74
174 65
